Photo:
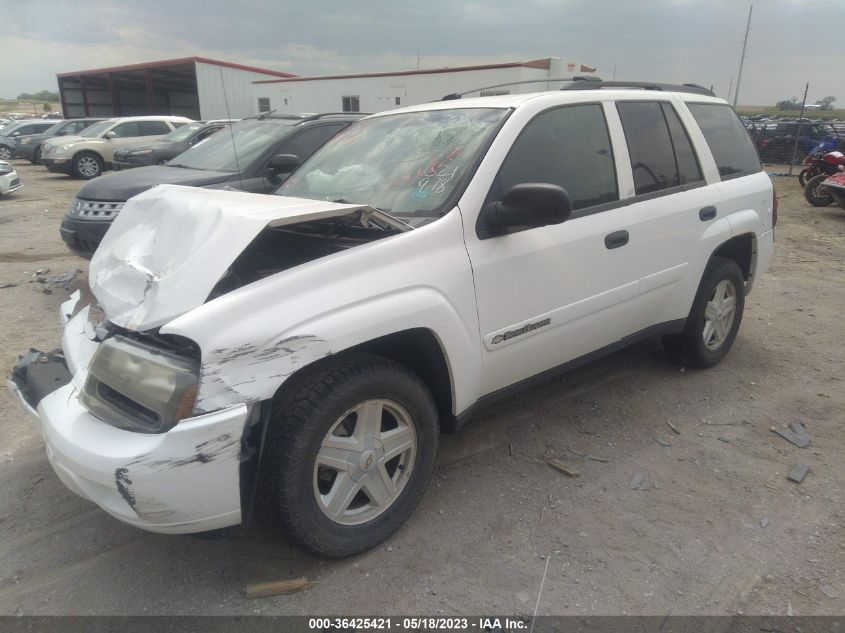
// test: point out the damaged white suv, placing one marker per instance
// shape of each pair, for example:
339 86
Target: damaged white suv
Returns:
303 352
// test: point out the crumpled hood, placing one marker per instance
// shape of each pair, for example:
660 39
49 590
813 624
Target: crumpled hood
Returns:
170 245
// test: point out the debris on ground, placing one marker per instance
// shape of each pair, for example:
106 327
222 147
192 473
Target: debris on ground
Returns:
798 472
829 591
277 587
56 280
8 285
594 458
566 469
764 522
724 439
661 441
639 481
674 428
797 435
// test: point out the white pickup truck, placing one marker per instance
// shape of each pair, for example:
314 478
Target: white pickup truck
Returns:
303 351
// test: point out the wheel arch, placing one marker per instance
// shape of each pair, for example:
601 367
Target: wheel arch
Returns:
742 249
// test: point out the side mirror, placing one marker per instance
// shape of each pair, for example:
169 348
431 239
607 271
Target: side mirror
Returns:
527 205
283 163
110 134
15 134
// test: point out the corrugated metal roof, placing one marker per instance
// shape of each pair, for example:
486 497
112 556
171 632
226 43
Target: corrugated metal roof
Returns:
174 62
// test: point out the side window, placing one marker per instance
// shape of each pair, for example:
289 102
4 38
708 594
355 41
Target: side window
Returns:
76 127
569 147
204 134
151 128
310 140
649 145
126 130
688 168
729 142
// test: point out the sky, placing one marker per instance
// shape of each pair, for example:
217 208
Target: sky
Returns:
675 41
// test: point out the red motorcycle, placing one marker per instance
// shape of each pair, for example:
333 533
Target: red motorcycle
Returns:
835 188
830 164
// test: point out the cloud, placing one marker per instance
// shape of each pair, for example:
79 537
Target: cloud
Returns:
662 40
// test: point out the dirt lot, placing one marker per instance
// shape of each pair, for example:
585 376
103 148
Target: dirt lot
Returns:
715 528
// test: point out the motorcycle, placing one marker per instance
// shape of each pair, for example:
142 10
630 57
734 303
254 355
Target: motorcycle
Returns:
831 164
835 188
815 160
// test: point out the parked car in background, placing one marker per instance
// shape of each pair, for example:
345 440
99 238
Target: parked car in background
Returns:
9 179
9 135
776 141
166 147
254 157
91 152
29 145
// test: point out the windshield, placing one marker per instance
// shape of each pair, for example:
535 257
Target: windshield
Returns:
407 164
96 129
251 138
53 129
181 133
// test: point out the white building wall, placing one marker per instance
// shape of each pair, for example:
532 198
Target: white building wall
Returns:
238 91
381 93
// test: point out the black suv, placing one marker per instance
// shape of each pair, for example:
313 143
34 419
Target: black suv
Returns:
28 146
166 147
252 155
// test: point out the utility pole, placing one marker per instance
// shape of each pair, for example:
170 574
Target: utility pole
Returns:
798 132
742 58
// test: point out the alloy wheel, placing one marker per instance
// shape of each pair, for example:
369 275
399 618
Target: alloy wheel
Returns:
719 314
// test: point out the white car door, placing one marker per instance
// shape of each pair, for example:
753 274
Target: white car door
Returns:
552 294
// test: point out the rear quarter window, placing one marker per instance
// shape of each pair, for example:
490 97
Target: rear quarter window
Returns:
728 139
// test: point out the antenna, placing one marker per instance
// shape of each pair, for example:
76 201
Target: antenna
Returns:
742 57
231 131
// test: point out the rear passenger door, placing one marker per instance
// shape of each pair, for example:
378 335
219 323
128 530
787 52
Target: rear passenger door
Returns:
671 209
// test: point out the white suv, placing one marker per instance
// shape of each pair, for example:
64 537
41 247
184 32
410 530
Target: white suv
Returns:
91 152
305 351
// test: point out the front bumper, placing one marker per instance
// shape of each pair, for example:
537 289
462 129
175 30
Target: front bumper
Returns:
10 182
58 165
83 236
183 481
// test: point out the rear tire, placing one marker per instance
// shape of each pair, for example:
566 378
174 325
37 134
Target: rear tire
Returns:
813 193
350 451
714 318
5 152
87 165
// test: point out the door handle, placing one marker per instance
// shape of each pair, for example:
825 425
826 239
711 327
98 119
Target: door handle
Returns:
707 213
616 239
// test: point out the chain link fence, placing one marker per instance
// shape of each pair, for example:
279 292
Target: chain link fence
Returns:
775 138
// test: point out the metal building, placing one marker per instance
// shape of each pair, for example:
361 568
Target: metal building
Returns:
374 92
195 87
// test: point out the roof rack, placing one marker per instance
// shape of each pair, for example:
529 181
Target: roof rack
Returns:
594 83
458 95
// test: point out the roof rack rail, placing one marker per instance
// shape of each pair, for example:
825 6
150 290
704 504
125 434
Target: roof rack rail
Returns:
595 84
458 95
314 117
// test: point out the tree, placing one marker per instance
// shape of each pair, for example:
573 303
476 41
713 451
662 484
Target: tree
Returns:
826 103
42 95
792 104
47 107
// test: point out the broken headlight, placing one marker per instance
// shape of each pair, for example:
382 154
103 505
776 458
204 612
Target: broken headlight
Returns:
138 387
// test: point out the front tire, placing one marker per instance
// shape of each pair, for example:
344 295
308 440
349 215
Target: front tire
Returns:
87 165
714 318
350 452
814 194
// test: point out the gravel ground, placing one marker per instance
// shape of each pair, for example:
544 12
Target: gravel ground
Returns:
713 528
